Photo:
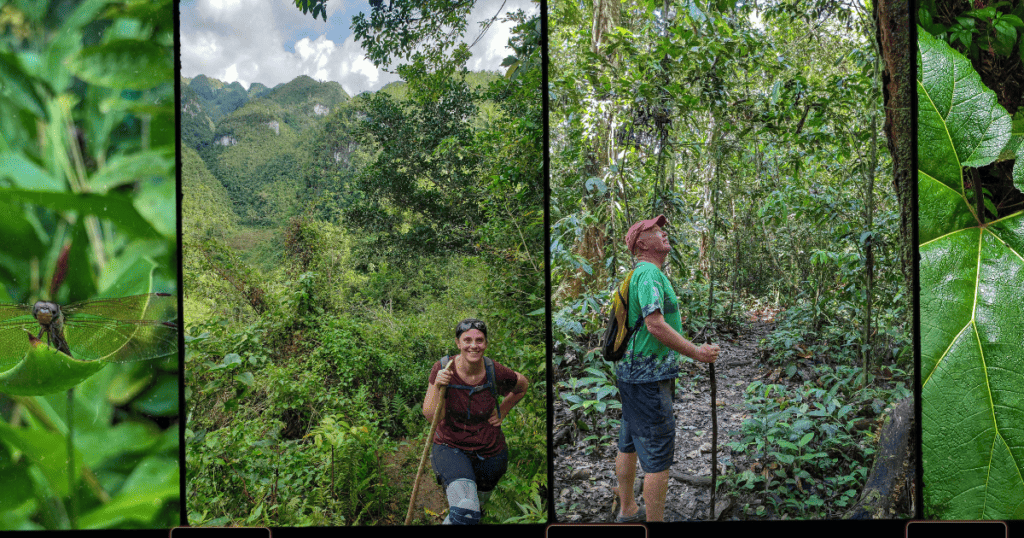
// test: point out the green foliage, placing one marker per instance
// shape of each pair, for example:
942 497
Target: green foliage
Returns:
206 207
87 181
304 99
424 33
810 450
992 29
419 194
316 7
970 283
196 125
337 156
323 250
591 398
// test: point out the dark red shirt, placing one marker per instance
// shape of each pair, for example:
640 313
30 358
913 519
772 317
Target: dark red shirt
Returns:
475 434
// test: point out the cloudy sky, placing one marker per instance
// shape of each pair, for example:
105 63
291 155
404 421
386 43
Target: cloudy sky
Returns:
271 41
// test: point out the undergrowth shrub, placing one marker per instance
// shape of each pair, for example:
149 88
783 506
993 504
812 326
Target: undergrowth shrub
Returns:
811 446
249 474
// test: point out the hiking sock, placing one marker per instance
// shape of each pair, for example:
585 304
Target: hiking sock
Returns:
483 496
463 504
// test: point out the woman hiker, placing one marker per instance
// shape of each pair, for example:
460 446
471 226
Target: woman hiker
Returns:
469 454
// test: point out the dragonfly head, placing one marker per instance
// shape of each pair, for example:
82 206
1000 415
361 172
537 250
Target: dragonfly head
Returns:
46 312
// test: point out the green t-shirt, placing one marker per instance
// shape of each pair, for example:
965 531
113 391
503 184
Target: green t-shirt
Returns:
646 359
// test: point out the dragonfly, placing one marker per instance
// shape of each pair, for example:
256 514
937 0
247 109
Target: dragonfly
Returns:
123 329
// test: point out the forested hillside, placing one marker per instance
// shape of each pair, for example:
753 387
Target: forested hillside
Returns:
330 246
758 132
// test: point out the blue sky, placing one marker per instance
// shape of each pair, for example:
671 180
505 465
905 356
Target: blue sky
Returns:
271 41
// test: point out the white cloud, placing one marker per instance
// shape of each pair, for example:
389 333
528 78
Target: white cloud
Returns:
245 41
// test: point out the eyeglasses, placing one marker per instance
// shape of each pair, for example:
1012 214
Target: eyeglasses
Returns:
470 324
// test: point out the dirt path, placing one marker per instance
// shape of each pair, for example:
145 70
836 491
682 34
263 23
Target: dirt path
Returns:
400 468
585 476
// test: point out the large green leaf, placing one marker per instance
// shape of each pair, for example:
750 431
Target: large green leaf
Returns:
123 64
972 327
45 370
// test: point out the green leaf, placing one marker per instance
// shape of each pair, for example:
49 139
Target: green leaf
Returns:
788 445
972 363
126 64
157 203
244 378
113 207
22 173
124 170
959 124
45 370
152 484
16 86
46 450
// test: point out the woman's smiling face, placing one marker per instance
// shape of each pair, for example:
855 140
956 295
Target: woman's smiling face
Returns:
472 344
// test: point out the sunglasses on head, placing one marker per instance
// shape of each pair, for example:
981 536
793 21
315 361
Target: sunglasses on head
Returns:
470 324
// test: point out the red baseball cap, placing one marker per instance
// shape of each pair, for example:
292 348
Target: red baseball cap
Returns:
635 230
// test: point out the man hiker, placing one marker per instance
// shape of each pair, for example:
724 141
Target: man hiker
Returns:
645 375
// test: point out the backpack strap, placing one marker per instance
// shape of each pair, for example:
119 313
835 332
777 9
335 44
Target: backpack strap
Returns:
491 383
640 316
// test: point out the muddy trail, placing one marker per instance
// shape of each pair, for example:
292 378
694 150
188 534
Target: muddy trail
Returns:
585 468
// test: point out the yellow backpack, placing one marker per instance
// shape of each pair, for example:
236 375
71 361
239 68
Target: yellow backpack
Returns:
617 333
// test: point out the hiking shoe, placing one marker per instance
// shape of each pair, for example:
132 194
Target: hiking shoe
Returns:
640 516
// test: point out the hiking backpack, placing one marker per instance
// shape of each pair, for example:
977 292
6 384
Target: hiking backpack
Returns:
617 333
491 383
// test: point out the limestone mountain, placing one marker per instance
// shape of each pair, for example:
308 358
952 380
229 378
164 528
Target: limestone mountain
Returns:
259 160
196 125
304 100
206 207
257 89
218 98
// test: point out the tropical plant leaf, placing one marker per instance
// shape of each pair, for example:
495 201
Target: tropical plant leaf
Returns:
971 274
16 86
124 64
44 370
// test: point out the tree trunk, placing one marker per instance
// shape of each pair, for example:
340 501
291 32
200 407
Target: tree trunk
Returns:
899 93
890 489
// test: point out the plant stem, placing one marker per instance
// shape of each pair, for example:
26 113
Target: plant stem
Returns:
72 499
978 195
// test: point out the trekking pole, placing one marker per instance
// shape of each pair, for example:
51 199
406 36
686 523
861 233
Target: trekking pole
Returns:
426 447
707 340
714 441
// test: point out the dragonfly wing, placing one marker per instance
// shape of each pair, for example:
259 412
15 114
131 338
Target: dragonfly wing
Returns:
125 329
148 306
15 320
121 341
10 313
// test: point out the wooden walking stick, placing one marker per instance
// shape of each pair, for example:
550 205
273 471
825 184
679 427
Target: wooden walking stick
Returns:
714 441
426 447
711 369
